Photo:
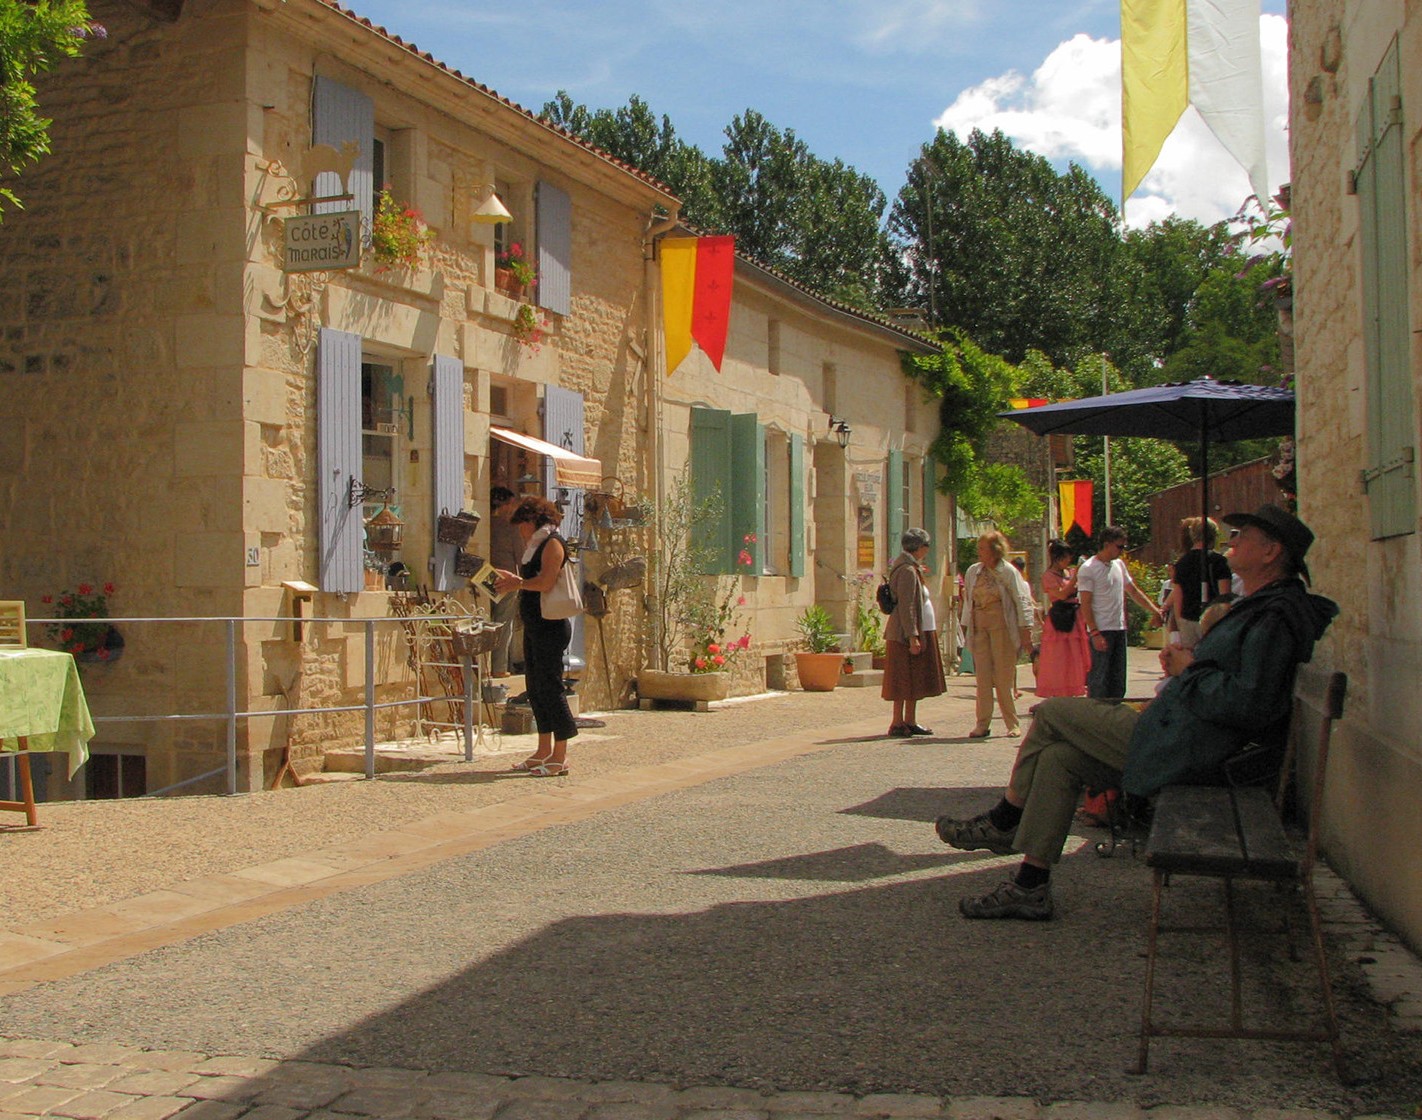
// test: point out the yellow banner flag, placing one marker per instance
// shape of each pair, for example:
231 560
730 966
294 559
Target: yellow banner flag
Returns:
1155 82
678 292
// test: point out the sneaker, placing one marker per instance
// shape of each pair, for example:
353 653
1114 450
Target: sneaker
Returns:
977 833
1011 901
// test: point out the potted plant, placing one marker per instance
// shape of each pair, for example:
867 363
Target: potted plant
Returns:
697 617
88 640
514 274
868 621
819 664
398 234
527 327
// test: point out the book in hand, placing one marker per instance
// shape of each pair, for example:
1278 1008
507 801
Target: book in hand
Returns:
485 579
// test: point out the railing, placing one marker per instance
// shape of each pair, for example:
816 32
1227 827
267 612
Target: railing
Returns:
231 713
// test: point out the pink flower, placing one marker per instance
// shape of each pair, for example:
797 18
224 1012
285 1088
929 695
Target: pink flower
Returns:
86 589
713 648
718 660
745 559
744 643
701 662
741 601
108 589
46 598
66 634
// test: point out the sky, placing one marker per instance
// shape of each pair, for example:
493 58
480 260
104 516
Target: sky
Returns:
864 81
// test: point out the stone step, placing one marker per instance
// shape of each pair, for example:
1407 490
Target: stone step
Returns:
862 678
329 777
862 661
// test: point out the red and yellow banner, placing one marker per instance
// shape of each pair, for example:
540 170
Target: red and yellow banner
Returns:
697 274
1074 499
1026 402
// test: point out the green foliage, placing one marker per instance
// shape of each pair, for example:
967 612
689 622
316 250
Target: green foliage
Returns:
1149 578
34 36
817 630
868 620
972 387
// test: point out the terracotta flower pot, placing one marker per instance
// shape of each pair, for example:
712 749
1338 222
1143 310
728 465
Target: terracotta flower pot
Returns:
819 672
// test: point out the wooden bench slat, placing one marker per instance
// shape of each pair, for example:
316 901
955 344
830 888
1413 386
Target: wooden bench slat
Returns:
1208 830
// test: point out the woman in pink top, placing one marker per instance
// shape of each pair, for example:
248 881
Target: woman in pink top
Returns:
1066 655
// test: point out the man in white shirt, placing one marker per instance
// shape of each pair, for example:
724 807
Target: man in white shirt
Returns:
1103 583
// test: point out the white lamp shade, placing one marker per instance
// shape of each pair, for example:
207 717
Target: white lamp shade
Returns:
491 211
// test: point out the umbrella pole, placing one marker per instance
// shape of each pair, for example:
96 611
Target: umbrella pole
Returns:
1204 513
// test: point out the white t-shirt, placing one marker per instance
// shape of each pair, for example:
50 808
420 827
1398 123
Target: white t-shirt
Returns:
1107 584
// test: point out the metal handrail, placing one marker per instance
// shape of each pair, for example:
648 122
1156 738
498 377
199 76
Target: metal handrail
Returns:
232 713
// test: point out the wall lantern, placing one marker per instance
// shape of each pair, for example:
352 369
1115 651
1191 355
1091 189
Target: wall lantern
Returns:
841 430
491 211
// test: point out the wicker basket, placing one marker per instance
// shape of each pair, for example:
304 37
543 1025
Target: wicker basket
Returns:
471 639
466 564
457 528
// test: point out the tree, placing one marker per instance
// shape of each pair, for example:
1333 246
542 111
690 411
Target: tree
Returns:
34 36
1018 256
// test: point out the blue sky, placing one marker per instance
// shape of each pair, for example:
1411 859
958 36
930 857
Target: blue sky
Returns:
865 81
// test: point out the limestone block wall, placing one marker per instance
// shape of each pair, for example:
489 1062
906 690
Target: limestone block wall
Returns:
1375 776
121 339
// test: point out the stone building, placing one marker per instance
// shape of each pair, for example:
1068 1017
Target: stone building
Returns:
1355 76
197 421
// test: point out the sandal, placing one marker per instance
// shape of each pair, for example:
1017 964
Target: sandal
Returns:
978 733
548 770
899 731
530 763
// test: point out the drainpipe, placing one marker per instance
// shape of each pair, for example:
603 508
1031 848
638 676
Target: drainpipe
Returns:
656 361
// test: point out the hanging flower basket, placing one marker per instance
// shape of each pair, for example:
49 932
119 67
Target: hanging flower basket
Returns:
456 528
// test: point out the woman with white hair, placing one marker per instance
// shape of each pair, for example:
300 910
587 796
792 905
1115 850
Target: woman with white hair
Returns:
913 667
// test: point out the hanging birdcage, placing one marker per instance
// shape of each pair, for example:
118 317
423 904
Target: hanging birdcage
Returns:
384 532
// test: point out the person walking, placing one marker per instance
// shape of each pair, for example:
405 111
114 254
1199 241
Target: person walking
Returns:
1198 567
1065 657
998 606
505 548
536 521
1103 583
913 667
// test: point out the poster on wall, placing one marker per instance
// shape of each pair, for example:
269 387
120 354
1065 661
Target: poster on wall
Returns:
865 538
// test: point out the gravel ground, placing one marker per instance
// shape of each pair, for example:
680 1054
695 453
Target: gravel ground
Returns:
792 927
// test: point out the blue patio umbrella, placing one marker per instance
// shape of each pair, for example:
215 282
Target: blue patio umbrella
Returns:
1204 409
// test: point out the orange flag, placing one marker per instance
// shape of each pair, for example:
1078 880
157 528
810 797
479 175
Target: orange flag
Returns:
1075 501
697 276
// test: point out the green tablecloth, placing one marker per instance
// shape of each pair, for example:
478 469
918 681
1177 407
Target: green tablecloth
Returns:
42 699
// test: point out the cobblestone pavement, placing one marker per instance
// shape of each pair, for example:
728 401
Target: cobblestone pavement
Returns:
741 914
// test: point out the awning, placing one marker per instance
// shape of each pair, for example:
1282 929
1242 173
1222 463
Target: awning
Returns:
571 469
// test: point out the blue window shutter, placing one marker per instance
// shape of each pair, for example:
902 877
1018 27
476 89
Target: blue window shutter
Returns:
563 427
340 115
1391 416
747 503
447 379
338 459
930 508
797 504
894 500
555 249
711 479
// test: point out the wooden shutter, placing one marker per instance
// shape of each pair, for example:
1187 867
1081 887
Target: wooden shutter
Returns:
711 478
930 508
797 504
747 504
563 427
894 500
447 406
555 248
1390 475
339 115
338 459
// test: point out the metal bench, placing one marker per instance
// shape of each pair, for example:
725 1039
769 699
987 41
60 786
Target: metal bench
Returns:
1238 834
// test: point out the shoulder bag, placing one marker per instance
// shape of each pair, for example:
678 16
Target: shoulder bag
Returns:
565 598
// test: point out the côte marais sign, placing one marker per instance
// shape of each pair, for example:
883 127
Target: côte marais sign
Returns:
321 242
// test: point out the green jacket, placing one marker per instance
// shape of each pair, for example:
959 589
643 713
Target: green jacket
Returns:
1239 689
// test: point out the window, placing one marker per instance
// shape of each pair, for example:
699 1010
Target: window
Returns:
1381 180
381 409
111 776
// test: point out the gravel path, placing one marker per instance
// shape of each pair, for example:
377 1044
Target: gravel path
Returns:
792 927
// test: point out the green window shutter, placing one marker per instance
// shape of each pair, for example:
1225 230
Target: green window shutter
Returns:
747 498
797 504
1390 479
894 499
711 478
930 508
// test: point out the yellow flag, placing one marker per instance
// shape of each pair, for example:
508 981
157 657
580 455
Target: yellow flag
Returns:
678 290
1155 82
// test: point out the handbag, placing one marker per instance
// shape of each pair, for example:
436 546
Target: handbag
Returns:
565 598
1062 615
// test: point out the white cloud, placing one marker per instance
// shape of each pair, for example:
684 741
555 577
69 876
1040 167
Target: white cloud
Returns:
1070 109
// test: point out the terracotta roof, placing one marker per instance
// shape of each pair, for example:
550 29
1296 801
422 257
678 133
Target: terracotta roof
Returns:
543 122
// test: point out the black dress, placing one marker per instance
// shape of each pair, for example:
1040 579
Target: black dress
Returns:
544 643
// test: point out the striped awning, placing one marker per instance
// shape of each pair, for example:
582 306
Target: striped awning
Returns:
570 469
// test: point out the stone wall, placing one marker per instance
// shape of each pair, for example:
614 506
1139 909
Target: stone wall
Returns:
1375 776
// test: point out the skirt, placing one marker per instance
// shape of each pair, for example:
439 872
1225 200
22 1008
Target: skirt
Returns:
909 677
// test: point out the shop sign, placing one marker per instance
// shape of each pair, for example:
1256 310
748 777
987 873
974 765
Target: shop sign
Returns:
321 242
